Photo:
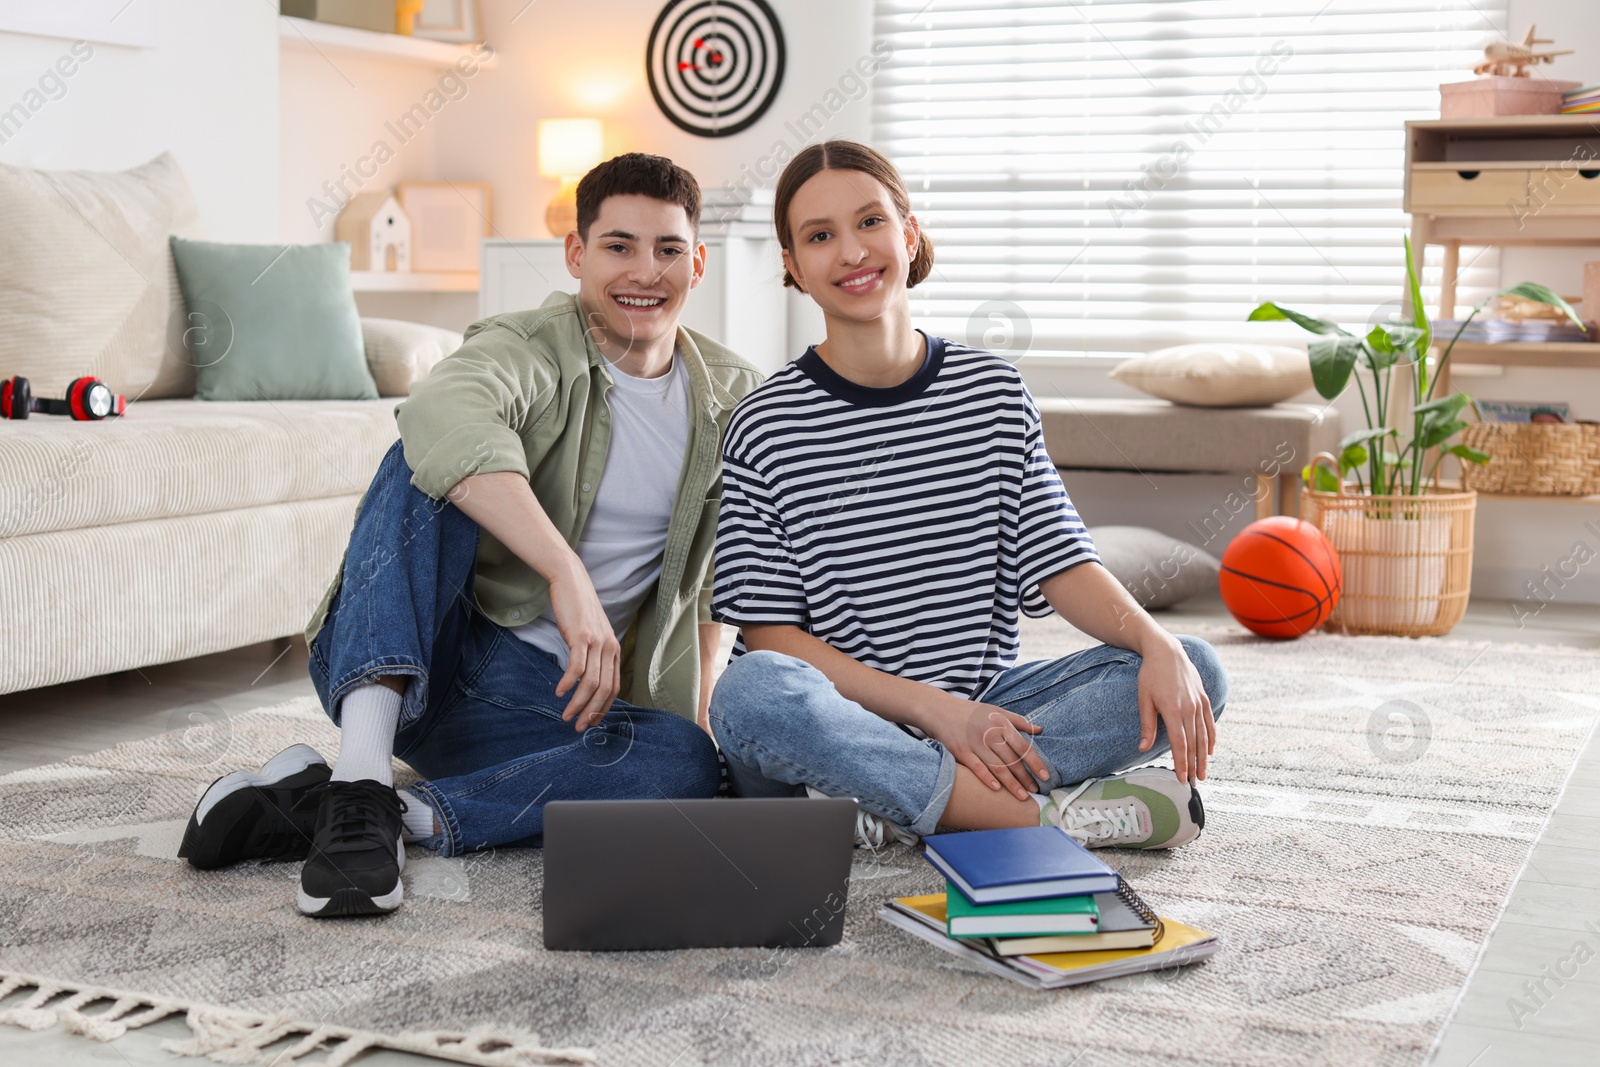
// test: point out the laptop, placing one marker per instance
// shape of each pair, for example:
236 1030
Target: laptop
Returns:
727 873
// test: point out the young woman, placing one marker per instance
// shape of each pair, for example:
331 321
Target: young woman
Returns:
888 509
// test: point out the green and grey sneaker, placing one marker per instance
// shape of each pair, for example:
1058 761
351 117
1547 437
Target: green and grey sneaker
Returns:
1146 807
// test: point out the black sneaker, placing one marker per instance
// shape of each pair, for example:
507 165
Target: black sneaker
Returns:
245 816
357 852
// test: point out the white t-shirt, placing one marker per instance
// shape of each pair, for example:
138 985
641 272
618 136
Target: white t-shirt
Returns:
625 535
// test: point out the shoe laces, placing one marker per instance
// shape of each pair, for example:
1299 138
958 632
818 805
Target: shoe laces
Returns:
359 812
1103 823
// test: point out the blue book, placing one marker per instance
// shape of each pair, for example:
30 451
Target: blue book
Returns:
1029 863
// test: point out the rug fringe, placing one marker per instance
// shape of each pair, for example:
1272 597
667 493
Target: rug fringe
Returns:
225 1036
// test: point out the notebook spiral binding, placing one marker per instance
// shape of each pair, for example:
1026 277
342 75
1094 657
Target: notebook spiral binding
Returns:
1130 896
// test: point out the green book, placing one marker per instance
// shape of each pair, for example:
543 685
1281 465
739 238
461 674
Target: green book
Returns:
1020 918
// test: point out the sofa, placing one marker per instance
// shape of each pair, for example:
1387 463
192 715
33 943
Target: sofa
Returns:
185 526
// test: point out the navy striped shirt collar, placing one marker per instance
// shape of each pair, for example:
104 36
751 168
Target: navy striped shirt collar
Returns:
837 385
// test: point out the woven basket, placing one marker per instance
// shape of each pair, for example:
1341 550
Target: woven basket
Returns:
1407 560
1534 459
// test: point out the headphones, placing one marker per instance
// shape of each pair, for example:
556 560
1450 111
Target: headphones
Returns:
88 400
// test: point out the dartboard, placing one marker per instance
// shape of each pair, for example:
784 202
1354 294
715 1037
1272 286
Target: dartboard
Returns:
715 65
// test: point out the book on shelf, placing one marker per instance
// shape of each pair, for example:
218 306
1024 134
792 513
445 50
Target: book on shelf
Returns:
1179 944
1028 863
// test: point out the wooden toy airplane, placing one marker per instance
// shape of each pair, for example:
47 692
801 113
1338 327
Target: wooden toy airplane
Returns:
1505 59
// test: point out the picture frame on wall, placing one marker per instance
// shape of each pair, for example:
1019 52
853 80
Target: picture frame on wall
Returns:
449 20
448 223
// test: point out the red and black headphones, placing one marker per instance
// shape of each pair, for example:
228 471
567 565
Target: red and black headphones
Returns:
88 399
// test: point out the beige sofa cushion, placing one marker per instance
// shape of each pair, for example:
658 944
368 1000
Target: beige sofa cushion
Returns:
1219 375
167 458
400 353
1154 435
87 285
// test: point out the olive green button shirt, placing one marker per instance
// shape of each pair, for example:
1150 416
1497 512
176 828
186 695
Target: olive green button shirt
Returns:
526 393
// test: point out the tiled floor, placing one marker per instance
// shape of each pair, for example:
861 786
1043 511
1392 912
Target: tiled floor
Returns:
1555 904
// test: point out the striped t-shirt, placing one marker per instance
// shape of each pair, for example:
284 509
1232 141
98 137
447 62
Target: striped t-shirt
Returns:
905 527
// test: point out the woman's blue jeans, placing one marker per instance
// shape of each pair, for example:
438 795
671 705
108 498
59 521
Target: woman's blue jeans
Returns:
480 719
782 724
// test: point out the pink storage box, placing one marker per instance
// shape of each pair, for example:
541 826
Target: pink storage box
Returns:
1489 95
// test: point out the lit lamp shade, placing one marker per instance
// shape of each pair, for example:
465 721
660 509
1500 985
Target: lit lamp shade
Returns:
568 148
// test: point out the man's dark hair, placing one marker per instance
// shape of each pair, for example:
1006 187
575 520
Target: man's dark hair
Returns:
637 174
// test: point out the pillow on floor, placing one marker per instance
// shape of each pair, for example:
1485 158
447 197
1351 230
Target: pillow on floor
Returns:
273 322
86 279
400 353
1158 570
1220 375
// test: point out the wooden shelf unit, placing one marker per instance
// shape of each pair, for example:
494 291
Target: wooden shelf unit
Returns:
1528 180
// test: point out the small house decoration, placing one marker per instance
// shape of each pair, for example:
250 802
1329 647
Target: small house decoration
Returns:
379 232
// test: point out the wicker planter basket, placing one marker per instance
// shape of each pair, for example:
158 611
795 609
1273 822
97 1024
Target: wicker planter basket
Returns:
1407 560
1534 459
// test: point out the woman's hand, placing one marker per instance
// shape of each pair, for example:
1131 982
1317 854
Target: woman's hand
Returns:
1170 687
990 742
594 661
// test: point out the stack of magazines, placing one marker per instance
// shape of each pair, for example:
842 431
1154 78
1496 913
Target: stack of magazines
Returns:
1499 331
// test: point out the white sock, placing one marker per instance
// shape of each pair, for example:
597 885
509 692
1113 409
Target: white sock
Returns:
418 817
1043 800
368 718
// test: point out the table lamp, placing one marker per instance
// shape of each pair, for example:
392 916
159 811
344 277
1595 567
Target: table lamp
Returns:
568 149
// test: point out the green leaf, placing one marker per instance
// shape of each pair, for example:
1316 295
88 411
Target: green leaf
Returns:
1419 315
1356 437
1450 405
1325 481
1378 359
1378 340
1352 457
1436 434
1332 361
1541 294
1471 455
1270 312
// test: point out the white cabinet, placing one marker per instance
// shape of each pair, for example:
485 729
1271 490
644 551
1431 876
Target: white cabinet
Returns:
741 301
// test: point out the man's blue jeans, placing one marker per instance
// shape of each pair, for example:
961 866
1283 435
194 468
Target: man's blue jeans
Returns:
479 719
782 724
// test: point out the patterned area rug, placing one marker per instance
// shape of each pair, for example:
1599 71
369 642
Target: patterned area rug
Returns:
1371 803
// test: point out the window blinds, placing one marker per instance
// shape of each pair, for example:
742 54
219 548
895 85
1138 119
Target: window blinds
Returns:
1133 174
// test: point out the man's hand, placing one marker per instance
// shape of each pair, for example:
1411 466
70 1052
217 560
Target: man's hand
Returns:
594 664
1170 687
990 742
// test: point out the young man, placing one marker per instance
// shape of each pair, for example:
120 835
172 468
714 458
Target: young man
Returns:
536 544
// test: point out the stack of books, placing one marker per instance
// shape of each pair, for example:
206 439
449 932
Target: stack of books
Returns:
1581 101
1035 906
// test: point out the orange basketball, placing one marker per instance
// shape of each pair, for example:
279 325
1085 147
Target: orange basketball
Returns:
1280 577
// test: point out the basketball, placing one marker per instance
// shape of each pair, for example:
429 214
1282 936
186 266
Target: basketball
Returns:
1280 577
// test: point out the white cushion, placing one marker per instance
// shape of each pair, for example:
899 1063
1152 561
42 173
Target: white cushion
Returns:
1220 375
400 353
87 283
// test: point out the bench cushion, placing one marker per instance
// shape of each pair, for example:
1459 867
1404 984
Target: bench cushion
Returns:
166 458
1156 435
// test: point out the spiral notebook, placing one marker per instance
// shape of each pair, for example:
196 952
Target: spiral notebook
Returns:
1126 921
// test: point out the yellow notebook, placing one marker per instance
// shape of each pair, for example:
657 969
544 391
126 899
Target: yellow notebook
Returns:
1178 944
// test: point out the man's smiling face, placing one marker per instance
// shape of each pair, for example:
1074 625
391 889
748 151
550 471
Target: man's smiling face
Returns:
634 272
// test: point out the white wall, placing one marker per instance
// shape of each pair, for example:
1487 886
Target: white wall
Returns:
207 92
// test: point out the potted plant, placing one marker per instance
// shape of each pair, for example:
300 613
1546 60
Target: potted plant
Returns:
1404 541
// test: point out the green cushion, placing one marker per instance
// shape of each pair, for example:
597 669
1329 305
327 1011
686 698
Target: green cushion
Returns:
271 322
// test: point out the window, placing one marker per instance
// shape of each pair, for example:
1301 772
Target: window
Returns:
1133 174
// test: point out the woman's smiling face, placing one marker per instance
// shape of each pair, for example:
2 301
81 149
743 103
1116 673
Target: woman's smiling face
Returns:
852 251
